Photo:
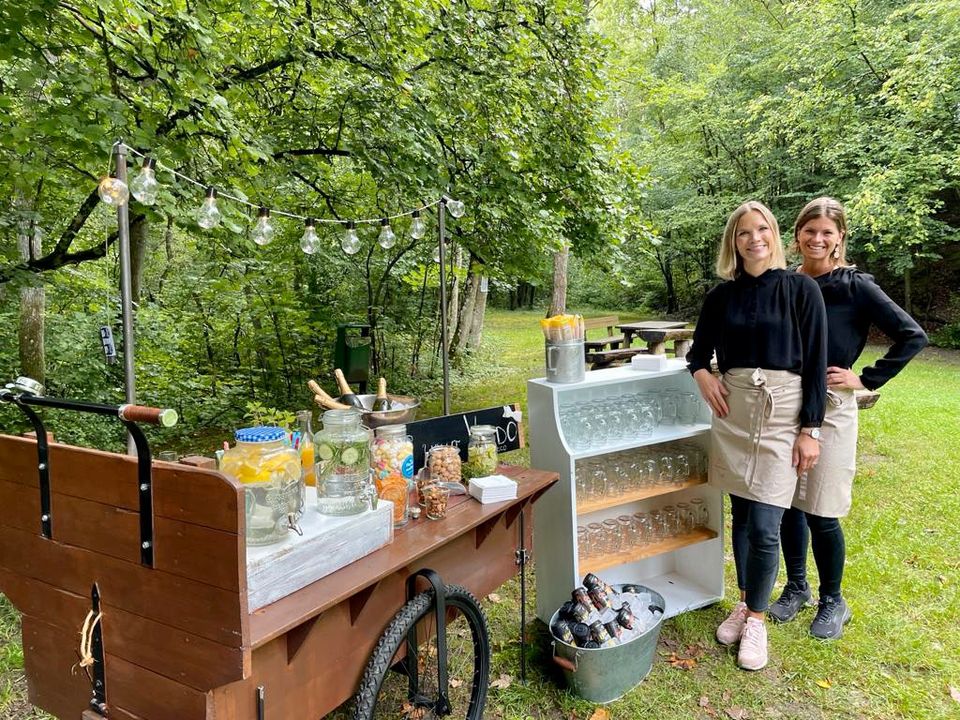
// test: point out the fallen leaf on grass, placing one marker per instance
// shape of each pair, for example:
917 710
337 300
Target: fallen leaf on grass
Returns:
825 684
726 696
737 713
682 663
412 712
455 682
493 597
600 714
955 694
942 579
502 682
704 701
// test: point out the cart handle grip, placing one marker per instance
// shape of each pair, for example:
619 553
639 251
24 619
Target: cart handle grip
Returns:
165 417
563 662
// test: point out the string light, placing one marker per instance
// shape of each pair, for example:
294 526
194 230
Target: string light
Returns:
145 189
113 191
263 230
418 228
144 186
387 237
208 216
350 243
309 242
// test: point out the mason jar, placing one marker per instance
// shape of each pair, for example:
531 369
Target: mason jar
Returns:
269 471
481 452
393 469
342 452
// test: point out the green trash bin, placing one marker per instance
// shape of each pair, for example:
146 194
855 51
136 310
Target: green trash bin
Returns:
602 675
352 353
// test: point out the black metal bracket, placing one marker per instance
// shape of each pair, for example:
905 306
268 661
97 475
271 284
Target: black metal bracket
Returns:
99 700
442 706
145 487
43 464
261 702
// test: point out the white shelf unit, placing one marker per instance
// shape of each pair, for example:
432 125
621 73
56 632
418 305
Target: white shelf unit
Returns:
688 571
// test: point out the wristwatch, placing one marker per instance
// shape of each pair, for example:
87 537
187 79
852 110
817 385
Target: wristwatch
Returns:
812 432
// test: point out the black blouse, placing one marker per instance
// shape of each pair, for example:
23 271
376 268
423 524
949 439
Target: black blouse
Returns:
854 302
775 321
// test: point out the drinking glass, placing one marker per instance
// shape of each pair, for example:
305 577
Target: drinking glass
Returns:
583 544
700 512
685 521
681 467
649 472
611 536
668 406
644 529
628 533
670 520
657 529
665 466
688 408
595 539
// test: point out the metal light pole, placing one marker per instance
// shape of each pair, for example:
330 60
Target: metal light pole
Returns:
126 302
444 340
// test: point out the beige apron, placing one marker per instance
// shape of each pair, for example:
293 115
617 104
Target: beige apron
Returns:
827 489
751 449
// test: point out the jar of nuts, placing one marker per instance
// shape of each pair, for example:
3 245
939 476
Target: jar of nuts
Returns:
443 462
436 497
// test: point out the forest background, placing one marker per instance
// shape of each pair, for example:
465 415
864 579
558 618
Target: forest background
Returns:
598 146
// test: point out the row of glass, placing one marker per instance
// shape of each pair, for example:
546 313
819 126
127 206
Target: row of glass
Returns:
624 472
606 421
626 532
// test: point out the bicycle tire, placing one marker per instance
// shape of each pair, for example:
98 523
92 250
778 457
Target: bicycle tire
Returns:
394 638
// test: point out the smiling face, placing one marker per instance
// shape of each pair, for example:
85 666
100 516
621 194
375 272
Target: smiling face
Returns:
754 239
818 238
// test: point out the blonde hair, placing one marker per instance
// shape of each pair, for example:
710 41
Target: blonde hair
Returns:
729 262
832 210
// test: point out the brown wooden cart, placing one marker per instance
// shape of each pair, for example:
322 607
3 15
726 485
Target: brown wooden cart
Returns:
177 638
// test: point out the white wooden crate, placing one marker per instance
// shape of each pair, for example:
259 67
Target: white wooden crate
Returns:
328 544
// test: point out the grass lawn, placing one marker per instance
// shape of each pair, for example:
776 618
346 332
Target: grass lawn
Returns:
900 655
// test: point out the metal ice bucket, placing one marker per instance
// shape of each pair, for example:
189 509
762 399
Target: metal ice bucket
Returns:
565 361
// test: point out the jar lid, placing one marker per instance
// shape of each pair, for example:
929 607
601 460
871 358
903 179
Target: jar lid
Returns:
341 417
261 433
482 430
391 431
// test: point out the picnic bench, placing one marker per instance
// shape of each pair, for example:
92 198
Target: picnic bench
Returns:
655 333
611 341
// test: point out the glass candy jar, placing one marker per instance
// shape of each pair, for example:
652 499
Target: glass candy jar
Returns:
393 469
342 451
269 471
481 452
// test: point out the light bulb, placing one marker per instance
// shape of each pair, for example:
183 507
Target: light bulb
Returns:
455 207
310 243
113 191
418 228
263 231
350 243
208 216
144 187
436 253
387 238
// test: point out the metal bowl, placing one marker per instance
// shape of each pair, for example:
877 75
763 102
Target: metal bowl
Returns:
403 410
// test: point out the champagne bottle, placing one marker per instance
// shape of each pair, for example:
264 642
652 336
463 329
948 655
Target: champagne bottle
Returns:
324 400
346 394
382 403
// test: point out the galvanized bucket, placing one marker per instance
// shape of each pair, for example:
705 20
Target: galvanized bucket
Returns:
565 361
603 675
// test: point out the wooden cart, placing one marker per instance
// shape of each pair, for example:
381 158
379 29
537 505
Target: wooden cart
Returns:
177 638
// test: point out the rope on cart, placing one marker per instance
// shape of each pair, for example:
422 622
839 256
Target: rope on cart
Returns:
86 640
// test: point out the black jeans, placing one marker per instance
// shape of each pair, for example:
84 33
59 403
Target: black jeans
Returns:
756 546
829 549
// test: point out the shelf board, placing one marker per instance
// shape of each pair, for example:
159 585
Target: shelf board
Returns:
602 503
662 434
596 565
613 376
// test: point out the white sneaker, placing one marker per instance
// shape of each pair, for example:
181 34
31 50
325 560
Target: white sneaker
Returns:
753 645
731 629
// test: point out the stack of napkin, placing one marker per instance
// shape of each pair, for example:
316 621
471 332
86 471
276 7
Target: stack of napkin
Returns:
493 488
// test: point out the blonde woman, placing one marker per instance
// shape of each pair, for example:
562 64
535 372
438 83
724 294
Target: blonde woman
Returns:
768 329
854 303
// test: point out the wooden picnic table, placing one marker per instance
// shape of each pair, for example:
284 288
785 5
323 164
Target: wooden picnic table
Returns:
656 333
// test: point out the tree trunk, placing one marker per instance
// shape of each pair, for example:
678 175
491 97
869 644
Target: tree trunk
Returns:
453 297
32 301
464 323
558 301
479 311
138 255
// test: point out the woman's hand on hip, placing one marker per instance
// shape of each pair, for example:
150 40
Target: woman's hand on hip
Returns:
839 378
713 392
806 452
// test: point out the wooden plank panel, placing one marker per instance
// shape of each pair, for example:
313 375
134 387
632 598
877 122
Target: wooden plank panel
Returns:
202 609
180 656
60 608
49 655
138 691
181 492
19 506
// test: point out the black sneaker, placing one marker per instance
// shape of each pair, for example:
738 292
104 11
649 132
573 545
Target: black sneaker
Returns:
832 614
789 603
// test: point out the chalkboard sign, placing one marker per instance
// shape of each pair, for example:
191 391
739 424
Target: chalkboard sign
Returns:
455 430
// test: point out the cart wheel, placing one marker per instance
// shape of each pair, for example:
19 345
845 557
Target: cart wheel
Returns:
392 688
